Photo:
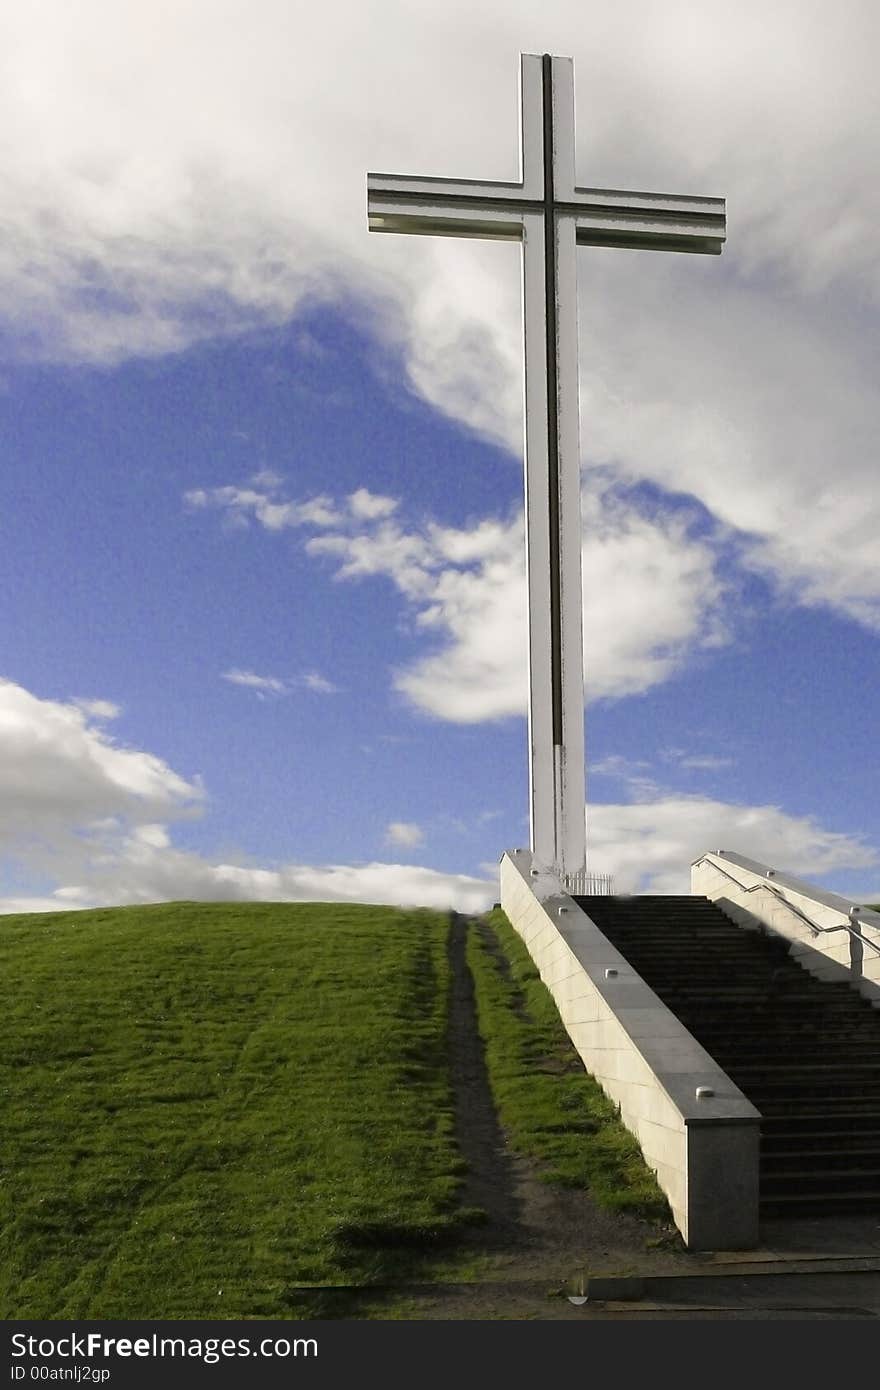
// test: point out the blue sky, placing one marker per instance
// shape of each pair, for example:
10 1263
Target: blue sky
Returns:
262 559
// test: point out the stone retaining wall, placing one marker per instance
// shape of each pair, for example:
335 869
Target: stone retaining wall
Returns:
704 1152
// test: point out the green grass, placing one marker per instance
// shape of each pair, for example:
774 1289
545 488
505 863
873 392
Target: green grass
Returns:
205 1106
552 1109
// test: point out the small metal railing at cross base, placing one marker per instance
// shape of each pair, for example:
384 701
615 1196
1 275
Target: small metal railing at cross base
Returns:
588 885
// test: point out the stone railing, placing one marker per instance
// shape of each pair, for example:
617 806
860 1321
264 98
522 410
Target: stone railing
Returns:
831 936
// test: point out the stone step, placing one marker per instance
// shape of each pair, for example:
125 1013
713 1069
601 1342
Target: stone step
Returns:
724 974
803 1159
788 1044
754 1026
694 911
807 1037
818 1141
677 928
694 961
859 1075
808 1109
721 974
749 1065
801 1093
699 999
735 1054
682 932
732 1057
830 1203
807 1181
807 1022
824 1123
743 972
801 1029
686 901
706 1000
683 937
801 1098
789 1010
806 1087
689 943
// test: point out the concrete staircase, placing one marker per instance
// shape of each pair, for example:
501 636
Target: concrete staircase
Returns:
804 1051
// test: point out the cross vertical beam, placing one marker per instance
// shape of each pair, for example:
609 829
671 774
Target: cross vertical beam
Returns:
550 216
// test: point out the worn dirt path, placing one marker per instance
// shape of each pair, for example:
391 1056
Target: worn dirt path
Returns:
538 1238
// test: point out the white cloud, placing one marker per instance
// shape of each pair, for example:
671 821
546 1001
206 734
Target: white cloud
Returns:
632 772
313 680
318 511
155 835
309 346
705 762
650 597
368 506
266 477
94 816
77 808
36 904
99 709
260 684
240 503
385 550
772 423
265 686
192 192
695 762
404 834
60 776
617 766
138 868
158 190
649 846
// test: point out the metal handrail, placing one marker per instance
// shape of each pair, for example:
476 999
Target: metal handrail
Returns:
588 884
814 926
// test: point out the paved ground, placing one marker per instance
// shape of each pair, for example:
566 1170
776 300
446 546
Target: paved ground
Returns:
805 1270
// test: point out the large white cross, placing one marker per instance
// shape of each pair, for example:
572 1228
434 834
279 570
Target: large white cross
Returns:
550 217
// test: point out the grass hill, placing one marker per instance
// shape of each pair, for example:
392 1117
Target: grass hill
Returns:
206 1109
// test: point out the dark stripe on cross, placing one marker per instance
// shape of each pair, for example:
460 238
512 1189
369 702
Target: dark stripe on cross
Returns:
552 404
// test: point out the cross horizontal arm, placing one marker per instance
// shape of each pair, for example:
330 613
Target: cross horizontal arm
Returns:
471 208
465 190
445 207
427 219
654 221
